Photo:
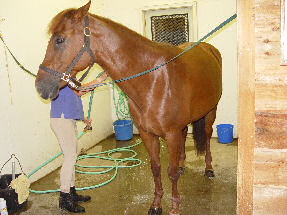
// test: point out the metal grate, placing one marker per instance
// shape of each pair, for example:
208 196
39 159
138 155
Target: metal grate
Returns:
170 28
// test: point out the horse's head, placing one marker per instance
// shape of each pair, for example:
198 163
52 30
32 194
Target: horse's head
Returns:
67 31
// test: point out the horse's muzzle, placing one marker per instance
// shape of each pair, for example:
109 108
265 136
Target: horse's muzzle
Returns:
47 87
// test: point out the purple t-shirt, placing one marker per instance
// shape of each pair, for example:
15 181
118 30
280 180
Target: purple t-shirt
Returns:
67 103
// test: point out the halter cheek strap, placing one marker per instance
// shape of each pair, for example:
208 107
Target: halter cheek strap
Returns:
72 82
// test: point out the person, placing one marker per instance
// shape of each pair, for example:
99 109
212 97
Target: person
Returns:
66 109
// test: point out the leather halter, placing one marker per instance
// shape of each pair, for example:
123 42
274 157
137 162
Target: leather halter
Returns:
72 82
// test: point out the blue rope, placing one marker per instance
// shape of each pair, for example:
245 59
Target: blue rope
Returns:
172 59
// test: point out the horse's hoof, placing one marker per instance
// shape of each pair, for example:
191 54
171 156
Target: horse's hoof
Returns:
154 211
176 212
181 170
209 173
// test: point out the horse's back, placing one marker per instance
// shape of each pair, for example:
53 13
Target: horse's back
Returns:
208 48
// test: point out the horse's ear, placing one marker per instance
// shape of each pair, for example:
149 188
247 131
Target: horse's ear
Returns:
83 11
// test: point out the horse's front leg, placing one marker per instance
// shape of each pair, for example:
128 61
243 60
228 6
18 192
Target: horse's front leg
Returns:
152 145
174 141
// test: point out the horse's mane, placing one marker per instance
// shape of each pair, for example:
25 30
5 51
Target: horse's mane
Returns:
55 24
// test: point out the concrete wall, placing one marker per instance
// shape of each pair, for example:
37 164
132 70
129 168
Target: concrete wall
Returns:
24 117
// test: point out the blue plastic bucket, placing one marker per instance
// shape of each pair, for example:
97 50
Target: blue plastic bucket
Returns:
225 133
123 129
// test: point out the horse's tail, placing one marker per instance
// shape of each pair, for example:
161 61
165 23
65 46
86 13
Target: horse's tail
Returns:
199 135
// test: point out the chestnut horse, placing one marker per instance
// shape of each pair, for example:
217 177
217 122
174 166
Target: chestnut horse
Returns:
162 102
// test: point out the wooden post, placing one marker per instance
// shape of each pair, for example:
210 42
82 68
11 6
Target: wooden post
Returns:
246 110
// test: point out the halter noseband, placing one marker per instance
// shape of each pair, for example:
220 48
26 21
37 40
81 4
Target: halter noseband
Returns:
86 48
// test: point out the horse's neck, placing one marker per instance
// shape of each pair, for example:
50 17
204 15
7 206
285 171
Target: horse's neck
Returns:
120 51
115 44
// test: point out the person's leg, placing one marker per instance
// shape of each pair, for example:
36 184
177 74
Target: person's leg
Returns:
76 197
75 139
64 130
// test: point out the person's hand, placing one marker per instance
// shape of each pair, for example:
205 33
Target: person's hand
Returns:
80 93
96 81
88 122
103 77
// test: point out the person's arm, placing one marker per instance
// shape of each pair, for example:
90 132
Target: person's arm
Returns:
96 81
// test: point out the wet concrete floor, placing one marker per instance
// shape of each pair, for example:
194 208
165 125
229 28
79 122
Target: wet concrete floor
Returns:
131 192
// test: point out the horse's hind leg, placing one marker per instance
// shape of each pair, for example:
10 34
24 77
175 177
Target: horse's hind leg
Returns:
182 153
152 145
174 141
209 120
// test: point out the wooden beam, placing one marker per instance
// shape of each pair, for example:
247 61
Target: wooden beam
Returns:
246 109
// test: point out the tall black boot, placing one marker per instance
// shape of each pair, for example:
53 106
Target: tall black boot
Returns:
77 197
67 203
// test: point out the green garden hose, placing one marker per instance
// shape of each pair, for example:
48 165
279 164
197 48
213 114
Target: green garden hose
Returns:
99 155
121 103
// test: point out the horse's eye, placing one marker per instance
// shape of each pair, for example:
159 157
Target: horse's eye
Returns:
59 40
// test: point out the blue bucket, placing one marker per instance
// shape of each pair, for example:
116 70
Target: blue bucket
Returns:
123 129
225 133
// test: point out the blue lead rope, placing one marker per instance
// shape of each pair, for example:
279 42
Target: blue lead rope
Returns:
163 64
